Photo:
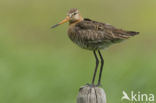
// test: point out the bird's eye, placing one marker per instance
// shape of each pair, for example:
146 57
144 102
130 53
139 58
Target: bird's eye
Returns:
74 13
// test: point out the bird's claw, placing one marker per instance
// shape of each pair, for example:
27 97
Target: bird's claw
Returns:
99 85
93 85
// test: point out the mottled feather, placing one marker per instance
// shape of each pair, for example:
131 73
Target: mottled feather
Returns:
94 35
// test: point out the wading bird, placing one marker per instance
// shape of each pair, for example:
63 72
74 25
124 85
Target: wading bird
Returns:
93 35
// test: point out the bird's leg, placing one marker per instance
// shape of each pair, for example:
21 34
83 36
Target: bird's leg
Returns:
97 62
101 68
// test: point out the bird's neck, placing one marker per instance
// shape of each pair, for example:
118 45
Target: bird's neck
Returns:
71 22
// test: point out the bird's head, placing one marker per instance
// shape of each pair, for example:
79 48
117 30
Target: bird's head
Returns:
72 16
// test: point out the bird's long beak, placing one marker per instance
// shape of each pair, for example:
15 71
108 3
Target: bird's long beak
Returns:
63 21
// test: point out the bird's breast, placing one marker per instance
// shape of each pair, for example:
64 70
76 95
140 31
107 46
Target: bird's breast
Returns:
73 34
76 37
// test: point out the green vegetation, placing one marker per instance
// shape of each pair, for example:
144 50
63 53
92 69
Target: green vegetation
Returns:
39 65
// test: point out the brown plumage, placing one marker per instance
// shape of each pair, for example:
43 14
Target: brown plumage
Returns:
93 35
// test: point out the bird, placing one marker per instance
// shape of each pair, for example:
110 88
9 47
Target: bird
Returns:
94 36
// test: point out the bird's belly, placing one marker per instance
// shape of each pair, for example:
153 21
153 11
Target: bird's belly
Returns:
89 45
93 46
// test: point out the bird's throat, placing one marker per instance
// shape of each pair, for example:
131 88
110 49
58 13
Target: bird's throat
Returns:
71 22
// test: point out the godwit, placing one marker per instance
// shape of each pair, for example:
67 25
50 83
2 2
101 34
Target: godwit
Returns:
93 35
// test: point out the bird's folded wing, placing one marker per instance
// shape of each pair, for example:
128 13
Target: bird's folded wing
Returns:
94 32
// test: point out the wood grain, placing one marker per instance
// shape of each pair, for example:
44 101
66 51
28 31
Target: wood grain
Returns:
91 94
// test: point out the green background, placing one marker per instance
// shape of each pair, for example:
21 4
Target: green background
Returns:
39 65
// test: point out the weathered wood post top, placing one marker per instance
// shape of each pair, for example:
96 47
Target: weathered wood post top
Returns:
91 94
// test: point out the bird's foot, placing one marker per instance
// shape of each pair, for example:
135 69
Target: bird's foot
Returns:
99 85
91 85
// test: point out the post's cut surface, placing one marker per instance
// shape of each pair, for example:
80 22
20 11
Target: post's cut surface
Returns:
91 94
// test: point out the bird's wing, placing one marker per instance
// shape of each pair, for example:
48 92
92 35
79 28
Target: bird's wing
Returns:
100 32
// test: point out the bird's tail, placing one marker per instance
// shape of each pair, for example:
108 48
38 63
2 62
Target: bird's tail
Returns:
132 33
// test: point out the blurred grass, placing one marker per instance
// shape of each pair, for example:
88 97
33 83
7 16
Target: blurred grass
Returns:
38 65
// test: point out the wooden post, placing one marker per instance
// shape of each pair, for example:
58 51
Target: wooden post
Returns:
91 94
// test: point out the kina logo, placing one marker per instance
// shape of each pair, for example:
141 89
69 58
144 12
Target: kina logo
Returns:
138 97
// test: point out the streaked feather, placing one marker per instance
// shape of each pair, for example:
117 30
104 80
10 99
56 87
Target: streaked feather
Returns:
93 35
